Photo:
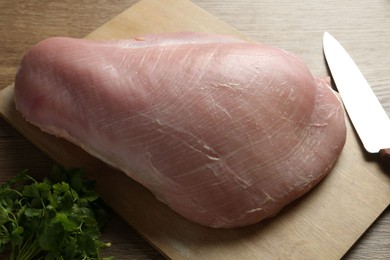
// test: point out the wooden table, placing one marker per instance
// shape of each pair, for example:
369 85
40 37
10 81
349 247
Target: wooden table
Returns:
293 25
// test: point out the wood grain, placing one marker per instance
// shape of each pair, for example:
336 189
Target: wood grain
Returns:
296 26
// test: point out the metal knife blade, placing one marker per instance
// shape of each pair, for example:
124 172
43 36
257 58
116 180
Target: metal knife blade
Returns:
364 109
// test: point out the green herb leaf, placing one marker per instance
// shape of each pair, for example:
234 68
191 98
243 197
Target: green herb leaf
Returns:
56 218
16 235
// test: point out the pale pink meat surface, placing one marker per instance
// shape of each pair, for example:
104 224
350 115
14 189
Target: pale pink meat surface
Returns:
224 132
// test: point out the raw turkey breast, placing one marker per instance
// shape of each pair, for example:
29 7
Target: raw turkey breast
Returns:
224 132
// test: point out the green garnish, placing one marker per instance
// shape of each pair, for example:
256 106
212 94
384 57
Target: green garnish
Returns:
58 218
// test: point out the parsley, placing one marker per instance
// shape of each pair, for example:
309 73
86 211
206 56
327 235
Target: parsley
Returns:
58 218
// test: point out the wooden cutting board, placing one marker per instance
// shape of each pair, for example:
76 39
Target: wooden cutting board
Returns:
323 224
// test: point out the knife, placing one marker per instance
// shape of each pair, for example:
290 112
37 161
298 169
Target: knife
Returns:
367 115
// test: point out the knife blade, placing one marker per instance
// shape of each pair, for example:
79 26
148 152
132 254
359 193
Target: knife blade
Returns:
366 113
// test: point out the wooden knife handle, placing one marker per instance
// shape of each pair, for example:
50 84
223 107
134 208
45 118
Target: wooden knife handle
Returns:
385 155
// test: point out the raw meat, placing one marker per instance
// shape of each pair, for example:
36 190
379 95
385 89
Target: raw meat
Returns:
224 132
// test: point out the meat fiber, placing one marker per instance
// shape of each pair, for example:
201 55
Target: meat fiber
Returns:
224 132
